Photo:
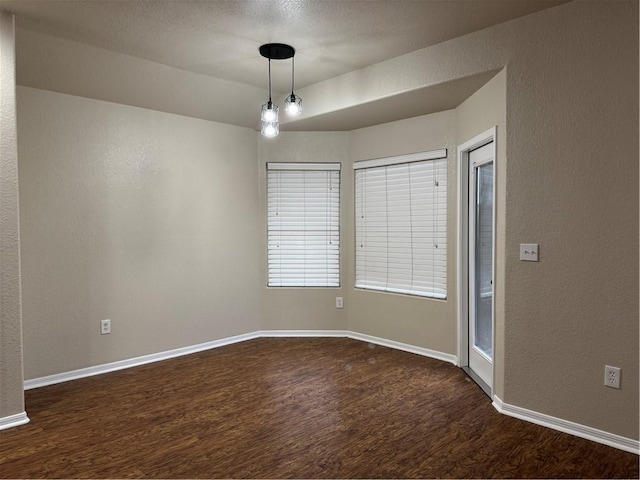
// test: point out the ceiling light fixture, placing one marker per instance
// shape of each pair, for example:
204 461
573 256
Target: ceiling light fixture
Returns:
293 103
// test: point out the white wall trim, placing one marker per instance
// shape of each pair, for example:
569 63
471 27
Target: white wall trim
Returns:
425 352
303 333
134 362
13 420
462 245
156 357
582 431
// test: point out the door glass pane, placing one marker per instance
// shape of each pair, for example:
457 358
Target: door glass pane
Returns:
484 259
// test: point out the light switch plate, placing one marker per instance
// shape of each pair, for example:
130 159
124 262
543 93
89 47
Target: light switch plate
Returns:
529 252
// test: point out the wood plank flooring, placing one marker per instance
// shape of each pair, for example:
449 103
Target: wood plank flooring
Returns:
290 408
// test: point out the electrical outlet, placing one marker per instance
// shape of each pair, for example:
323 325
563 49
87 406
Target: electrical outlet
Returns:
339 302
105 327
612 376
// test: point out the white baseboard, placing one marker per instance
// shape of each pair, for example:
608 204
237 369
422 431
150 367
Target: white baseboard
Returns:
156 357
583 431
134 362
303 333
425 352
13 420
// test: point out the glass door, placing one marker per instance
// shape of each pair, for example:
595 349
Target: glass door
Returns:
481 242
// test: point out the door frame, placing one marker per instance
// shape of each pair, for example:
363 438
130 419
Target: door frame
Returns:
462 248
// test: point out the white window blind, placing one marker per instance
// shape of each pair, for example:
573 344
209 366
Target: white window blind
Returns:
303 224
401 224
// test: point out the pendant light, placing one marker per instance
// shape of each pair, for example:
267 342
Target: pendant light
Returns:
293 103
269 114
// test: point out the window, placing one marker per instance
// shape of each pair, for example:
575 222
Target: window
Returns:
303 224
401 224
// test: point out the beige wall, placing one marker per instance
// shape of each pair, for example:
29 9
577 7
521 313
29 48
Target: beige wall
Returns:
303 308
145 218
483 110
572 149
418 321
11 396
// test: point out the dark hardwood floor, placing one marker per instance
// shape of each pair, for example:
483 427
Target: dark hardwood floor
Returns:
283 408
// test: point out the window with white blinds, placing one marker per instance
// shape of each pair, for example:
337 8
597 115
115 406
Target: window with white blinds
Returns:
401 224
303 224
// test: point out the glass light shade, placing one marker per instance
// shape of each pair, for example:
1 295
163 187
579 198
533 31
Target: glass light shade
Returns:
293 104
269 112
270 129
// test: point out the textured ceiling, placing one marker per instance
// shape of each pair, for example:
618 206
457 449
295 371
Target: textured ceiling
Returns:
220 38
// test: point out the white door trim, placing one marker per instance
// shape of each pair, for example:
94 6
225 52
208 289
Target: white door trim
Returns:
462 250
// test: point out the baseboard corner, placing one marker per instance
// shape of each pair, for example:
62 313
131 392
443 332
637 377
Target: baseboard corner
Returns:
13 420
405 347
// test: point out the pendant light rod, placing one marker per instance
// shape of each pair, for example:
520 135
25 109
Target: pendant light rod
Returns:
270 81
293 63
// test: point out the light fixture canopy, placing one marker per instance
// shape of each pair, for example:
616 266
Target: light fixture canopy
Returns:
277 51
292 104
